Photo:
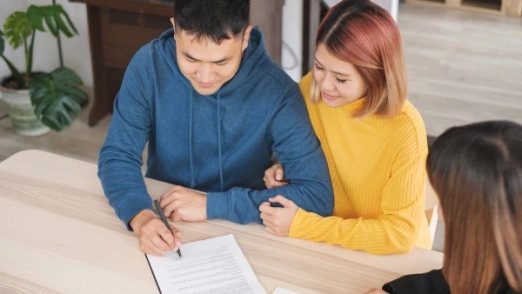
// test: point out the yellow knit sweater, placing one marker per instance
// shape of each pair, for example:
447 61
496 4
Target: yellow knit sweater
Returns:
378 175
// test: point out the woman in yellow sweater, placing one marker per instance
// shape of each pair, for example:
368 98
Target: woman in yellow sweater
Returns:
374 140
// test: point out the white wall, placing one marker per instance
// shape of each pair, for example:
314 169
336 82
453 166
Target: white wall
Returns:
292 38
76 50
292 27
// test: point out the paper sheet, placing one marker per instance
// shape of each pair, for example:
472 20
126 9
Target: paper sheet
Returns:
215 265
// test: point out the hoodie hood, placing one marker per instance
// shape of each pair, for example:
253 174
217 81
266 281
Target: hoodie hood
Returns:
253 60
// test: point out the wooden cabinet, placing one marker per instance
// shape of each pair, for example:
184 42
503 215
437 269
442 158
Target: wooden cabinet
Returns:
118 28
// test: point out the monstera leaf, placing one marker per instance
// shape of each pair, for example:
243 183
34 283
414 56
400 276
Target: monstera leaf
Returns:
16 74
56 97
17 29
2 43
54 16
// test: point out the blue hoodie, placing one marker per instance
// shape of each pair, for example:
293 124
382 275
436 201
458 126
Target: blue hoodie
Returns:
220 144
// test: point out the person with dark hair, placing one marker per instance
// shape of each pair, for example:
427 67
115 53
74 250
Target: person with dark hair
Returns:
213 108
476 171
373 138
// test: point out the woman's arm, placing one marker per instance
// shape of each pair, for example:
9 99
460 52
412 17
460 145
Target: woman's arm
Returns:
394 231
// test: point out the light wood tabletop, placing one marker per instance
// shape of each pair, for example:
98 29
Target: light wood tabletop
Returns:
58 234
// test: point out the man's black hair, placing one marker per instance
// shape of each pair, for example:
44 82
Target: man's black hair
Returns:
216 20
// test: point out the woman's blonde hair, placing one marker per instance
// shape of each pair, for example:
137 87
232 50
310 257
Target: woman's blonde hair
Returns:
364 34
476 170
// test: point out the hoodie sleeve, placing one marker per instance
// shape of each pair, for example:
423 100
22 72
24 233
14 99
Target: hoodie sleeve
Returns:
120 161
302 158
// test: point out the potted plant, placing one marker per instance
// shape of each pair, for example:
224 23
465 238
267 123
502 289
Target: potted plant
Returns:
37 102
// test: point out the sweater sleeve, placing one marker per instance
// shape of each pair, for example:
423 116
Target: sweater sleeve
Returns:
394 231
120 161
299 152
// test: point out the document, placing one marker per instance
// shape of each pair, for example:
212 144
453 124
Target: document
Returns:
215 265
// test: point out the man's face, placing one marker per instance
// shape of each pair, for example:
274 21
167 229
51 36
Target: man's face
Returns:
206 64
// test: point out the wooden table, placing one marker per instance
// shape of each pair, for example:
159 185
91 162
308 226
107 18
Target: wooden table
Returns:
59 235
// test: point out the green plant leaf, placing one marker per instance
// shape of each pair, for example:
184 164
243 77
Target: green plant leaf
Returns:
17 28
2 42
16 74
53 16
57 98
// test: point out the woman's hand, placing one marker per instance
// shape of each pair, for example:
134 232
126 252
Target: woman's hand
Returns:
275 176
277 220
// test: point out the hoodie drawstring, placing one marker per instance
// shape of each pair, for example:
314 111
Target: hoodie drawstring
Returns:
219 142
192 183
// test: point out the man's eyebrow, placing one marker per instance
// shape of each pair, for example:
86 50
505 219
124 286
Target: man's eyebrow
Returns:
217 61
189 57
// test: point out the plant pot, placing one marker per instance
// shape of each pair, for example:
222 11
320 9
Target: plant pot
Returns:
21 113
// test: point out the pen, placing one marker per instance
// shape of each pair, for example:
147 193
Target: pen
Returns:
164 219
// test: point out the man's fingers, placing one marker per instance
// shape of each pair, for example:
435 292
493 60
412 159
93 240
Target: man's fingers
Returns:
159 242
173 205
166 194
279 173
269 177
155 245
166 198
167 236
166 204
177 237
273 183
147 247
273 176
267 182
176 215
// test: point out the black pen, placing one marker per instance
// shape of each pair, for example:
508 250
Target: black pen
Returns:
164 219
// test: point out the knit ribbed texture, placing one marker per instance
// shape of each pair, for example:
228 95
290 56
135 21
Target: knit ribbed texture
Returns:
378 174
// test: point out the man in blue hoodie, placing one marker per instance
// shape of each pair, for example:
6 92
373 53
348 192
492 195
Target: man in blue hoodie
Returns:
212 107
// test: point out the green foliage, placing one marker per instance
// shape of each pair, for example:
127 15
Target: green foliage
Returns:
16 74
2 43
17 29
55 96
54 16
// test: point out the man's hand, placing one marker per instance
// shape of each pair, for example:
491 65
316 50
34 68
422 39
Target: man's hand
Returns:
154 237
277 220
183 204
275 176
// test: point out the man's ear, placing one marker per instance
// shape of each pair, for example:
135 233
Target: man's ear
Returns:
173 25
246 37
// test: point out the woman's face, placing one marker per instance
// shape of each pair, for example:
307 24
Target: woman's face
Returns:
340 83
